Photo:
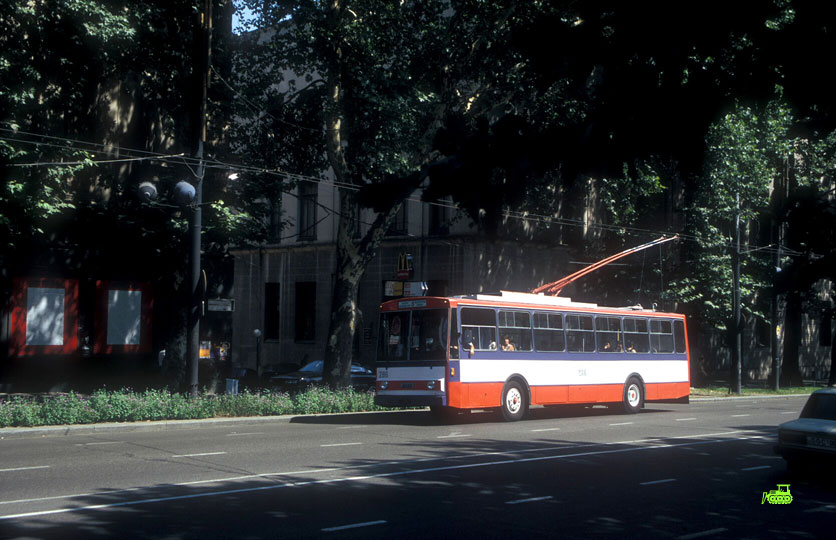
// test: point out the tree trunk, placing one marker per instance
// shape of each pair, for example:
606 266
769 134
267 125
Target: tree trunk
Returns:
790 372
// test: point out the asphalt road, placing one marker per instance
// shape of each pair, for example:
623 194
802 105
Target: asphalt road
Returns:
672 471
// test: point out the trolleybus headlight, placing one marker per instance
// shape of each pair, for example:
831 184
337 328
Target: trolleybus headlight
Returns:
384 385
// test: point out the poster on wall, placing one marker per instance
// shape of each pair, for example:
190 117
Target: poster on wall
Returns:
123 318
44 317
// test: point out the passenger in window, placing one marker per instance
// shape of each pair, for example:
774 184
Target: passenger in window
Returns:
630 348
507 345
492 346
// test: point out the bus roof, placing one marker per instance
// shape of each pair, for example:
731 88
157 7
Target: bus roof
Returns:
510 299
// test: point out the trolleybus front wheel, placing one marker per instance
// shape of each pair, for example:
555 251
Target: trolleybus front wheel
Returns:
514 402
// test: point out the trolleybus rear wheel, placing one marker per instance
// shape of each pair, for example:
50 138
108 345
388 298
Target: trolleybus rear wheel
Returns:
633 396
514 403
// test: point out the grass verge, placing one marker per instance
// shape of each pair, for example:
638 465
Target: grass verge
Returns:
129 406
723 391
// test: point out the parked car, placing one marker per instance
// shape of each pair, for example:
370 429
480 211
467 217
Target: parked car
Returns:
362 378
811 439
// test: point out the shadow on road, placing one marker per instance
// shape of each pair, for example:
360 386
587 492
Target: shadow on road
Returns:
676 487
425 418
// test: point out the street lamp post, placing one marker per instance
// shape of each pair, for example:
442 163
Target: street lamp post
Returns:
257 334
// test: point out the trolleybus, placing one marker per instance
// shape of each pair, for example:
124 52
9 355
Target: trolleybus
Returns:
512 350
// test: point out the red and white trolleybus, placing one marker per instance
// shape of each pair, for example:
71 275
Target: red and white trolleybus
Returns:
512 350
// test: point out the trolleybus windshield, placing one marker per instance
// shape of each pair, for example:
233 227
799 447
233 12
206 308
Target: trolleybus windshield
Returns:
419 335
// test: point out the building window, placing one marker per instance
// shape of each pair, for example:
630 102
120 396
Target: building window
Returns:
439 219
305 310
399 225
306 218
271 310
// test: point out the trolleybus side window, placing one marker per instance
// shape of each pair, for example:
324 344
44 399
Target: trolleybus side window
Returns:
661 336
548 332
479 328
679 335
609 334
635 336
580 333
516 327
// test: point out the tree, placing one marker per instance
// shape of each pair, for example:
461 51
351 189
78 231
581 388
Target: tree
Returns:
95 98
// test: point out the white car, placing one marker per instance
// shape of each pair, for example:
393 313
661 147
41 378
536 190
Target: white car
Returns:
811 439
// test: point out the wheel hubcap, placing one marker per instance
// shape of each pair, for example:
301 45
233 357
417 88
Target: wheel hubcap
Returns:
633 395
513 401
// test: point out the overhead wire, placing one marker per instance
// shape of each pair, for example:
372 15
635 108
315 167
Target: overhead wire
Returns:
180 159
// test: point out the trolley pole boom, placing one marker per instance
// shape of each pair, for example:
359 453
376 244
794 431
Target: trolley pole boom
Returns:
554 288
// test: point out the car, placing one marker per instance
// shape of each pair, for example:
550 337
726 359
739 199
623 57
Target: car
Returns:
362 378
811 439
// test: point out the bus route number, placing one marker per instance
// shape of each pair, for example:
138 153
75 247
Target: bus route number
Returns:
581 373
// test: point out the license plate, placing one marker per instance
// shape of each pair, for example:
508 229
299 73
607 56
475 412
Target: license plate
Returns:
821 442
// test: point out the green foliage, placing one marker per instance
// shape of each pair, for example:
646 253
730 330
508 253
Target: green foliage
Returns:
129 406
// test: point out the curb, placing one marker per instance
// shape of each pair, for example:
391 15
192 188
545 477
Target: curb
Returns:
727 398
154 425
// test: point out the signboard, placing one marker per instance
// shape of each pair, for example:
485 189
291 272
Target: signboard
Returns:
220 304
404 266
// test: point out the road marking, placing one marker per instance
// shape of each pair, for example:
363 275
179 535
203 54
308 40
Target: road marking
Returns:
685 419
757 468
201 454
99 443
740 415
341 444
547 429
350 427
26 468
533 499
622 424
354 526
233 434
788 412
701 534
665 481
453 435
381 475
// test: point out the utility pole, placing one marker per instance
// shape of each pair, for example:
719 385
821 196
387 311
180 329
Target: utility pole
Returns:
737 341
773 327
203 51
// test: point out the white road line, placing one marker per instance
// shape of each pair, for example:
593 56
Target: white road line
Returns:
757 468
533 499
201 454
350 427
685 419
341 444
740 415
26 468
701 534
665 481
394 462
622 424
788 412
99 443
547 429
242 434
354 526
453 435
